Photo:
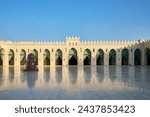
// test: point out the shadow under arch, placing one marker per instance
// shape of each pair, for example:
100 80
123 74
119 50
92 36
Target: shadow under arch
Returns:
147 56
73 57
11 57
23 57
137 57
58 57
87 57
2 52
35 52
125 57
100 57
112 57
46 56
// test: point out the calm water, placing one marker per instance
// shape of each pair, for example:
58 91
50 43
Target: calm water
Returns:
113 82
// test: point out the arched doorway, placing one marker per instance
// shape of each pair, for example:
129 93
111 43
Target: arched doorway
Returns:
137 57
58 57
23 57
46 56
73 57
112 57
35 52
147 56
11 57
100 57
125 57
1 56
87 57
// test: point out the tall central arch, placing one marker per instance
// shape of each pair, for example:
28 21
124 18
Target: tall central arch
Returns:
58 57
73 56
137 57
87 57
23 57
11 57
100 57
46 57
125 57
112 57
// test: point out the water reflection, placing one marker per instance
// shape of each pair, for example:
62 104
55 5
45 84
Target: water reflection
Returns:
73 73
125 82
87 74
58 73
31 78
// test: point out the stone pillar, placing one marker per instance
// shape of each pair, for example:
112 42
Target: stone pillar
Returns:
80 58
106 58
5 58
52 58
131 56
40 58
93 58
16 58
65 57
118 57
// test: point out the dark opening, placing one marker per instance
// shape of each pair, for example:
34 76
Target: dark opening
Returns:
46 61
23 62
87 61
59 61
112 57
73 60
137 57
125 57
1 61
148 56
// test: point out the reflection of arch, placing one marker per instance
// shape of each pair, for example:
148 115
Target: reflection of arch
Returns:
112 57
137 57
100 57
73 74
46 57
125 56
35 52
73 57
87 57
11 57
87 74
2 52
22 57
58 74
147 56
58 57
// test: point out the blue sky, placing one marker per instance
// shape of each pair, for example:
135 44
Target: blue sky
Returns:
23 20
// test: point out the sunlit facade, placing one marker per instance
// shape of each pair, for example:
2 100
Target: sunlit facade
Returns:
76 52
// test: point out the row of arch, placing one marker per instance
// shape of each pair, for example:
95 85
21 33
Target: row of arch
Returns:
73 58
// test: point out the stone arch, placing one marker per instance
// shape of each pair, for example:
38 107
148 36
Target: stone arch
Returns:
125 57
112 57
46 56
23 57
58 57
147 56
35 52
100 57
137 57
11 57
73 59
2 52
87 57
